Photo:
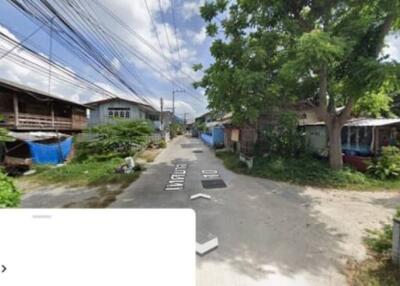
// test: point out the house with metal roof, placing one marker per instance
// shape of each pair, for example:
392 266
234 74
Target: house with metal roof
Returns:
123 108
28 109
40 123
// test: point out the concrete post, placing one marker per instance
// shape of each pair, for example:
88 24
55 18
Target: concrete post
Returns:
396 242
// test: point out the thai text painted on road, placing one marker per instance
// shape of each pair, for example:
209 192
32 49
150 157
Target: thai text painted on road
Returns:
210 174
177 179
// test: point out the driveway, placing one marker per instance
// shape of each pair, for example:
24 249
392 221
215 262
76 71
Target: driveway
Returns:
269 233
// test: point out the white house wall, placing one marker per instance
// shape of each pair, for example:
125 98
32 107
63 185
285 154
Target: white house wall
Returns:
99 115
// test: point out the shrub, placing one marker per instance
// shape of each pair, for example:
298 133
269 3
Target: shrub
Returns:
380 241
118 139
175 129
162 144
9 196
284 138
388 165
201 126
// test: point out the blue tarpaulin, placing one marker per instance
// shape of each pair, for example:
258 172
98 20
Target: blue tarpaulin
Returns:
50 153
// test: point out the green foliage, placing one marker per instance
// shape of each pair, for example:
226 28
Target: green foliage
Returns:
87 173
376 103
197 67
284 138
306 170
378 270
4 137
387 166
175 129
276 52
162 144
380 241
119 139
201 126
9 196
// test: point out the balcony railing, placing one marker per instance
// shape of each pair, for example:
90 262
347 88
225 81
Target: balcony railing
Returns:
34 121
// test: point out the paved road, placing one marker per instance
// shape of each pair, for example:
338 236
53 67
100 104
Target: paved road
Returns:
269 233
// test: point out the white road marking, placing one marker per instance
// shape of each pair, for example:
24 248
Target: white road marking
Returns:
206 247
177 179
200 195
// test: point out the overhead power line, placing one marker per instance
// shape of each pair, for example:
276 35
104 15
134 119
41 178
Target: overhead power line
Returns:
77 28
22 41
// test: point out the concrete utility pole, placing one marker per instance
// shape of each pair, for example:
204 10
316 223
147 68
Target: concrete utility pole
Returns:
173 99
161 113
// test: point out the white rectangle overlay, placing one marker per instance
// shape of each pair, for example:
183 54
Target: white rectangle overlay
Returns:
47 247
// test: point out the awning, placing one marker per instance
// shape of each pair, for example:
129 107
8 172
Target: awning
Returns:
372 122
37 136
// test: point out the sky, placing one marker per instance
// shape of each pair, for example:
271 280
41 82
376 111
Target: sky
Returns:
188 46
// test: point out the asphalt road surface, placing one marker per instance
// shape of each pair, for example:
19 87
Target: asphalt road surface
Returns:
269 233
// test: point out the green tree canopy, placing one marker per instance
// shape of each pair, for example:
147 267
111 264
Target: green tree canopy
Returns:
270 52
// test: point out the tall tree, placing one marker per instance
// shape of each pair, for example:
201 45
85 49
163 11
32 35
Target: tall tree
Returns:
271 51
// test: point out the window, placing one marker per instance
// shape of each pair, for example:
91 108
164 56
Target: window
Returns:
119 112
357 138
152 117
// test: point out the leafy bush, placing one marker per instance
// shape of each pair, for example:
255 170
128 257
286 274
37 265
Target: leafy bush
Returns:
306 170
9 196
4 137
380 241
388 165
88 173
284 138
162 144
119 139
175 129
201 126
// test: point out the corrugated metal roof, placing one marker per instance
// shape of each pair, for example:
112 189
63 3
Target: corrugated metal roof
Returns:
36 136
27 89
372 122
131 99
361 122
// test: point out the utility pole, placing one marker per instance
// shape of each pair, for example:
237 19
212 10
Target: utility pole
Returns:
161 113
185 117
173 99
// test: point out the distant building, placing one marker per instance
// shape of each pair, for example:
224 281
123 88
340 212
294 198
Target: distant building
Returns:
168 118
28 109
107 110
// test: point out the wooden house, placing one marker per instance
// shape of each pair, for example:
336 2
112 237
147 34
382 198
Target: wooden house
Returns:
28 109
107 110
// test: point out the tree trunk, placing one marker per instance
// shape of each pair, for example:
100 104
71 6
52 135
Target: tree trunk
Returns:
335 144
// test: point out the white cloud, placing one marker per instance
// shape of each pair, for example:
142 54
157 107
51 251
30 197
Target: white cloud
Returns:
27 69
393 47
181 106
135 15
191 9
199 37
8 33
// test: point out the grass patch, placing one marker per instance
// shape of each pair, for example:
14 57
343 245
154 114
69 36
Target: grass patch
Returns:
149 155
378 269
87 173
306 170
375 271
